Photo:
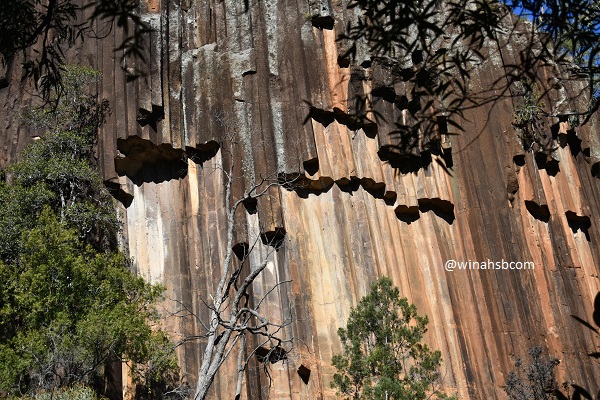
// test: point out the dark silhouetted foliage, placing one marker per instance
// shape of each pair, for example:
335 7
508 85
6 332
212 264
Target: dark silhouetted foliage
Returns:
534 381
42 29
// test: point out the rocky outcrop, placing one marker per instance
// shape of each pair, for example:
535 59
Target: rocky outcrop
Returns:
354 204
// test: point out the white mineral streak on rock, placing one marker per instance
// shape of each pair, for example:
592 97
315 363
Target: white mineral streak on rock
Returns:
193 190
272 31
277 113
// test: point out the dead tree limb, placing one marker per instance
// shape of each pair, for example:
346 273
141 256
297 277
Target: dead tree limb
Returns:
233 316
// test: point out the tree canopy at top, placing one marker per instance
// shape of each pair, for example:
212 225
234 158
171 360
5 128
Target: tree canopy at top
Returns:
49 26
442 37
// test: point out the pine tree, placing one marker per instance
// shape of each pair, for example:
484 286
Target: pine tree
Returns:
383 356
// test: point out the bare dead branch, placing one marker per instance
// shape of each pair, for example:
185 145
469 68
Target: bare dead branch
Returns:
233 313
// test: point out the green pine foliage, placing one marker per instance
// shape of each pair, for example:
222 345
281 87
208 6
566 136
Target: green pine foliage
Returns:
19 207
66 310
59 167
383 357
69 303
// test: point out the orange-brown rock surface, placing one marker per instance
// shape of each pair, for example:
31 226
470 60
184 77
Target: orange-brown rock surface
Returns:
269 70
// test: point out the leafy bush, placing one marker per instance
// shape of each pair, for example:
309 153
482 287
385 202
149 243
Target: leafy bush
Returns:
529 109
71 393
57 167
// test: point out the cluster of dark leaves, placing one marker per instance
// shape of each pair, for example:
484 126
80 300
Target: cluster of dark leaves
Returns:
571 30
42 29
400 28
432 47
536 381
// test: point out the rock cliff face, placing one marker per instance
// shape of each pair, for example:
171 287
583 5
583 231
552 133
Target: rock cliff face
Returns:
268 71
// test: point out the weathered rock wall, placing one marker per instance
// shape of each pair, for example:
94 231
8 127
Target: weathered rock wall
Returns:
269 72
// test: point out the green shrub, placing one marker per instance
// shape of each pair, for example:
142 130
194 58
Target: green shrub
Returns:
72 393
